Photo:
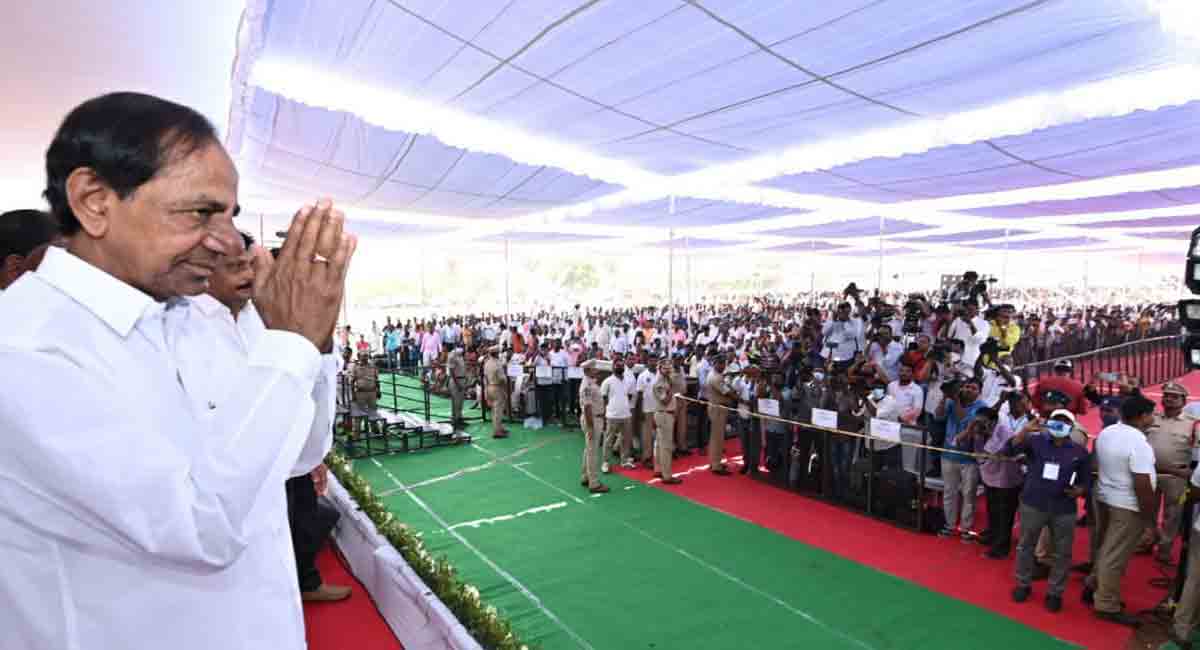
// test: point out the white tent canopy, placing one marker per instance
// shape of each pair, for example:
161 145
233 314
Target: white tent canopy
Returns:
944 126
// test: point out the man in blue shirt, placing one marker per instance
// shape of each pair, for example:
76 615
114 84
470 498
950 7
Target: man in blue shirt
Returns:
1059 473
960 473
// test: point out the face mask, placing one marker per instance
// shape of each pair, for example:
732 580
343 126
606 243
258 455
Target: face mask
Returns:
787 394
876 394
818 376
1058 429
955 357
1109 419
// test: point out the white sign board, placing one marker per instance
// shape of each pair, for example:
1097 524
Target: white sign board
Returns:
768 407
541 372
514 370
885 429
575 373
824 418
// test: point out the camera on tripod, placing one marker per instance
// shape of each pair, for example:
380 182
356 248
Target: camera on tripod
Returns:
914 312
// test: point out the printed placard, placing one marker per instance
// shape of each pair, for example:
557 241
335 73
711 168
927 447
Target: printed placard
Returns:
825 418
768 407
575 373
541 372
885 429
514 370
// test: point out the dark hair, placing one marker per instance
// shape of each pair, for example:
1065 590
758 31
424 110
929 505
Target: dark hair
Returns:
21 231
1135 406
126 138
987 413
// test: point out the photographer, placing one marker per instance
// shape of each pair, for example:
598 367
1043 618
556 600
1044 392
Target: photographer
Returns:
1006 332
970 328
843 336
960 472
885 352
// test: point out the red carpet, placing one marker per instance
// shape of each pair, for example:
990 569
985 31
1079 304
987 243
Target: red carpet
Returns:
353 624
944 565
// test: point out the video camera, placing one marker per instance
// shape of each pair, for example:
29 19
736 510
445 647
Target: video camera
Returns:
914 311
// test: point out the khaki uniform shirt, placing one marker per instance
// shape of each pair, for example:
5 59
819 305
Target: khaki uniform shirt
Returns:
493 373
717 393
664 393
1172 439
457 366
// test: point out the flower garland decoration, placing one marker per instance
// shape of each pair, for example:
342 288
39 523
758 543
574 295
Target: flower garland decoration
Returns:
483 622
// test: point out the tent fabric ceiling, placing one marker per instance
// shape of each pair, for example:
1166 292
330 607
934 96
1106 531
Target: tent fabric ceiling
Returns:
674 87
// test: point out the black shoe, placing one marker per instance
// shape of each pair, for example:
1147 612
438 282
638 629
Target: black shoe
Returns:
744 470
1082 567
1020 594
1120 618
1053 603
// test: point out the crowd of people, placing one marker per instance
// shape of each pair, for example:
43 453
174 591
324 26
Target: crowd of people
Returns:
951 363
216 362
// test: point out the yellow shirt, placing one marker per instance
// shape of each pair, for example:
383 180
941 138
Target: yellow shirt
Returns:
1007 337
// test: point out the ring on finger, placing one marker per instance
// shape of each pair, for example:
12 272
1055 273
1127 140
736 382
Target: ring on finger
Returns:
320 259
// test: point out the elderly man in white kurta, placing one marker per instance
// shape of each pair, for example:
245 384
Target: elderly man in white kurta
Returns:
127 521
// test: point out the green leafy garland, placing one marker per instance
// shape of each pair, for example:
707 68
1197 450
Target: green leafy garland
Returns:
483 622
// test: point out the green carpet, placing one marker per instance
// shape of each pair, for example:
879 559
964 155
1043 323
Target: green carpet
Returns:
642 568
400 392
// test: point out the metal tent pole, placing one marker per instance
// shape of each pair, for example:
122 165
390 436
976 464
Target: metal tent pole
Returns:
507 303
671 269
879 284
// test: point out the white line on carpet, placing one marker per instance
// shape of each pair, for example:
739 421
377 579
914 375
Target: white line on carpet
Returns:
528 511
488 561
732 578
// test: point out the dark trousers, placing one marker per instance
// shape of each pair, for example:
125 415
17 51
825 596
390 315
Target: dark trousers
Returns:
886 459
751 437
310 521
937 438
702 432
573 395
1002 504
543 392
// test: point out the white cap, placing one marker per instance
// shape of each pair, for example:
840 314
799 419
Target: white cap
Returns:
1065 413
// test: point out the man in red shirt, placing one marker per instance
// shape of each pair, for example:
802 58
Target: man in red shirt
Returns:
1062 382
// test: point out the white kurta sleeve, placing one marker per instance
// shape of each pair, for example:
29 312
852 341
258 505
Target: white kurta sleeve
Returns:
85 471
320 436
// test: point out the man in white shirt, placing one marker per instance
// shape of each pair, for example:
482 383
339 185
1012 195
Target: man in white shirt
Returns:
1124 504
650 406
147 194
617 392
842 335
218 333
885 352
970 328
910 399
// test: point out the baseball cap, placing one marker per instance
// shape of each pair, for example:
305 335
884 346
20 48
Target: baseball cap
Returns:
1064 413
1174 388
1111 402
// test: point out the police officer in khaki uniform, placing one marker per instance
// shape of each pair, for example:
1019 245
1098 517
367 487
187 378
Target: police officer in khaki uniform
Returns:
591 420
664 417
496 384
365 380
456 376
679 387
720 396
1172 439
